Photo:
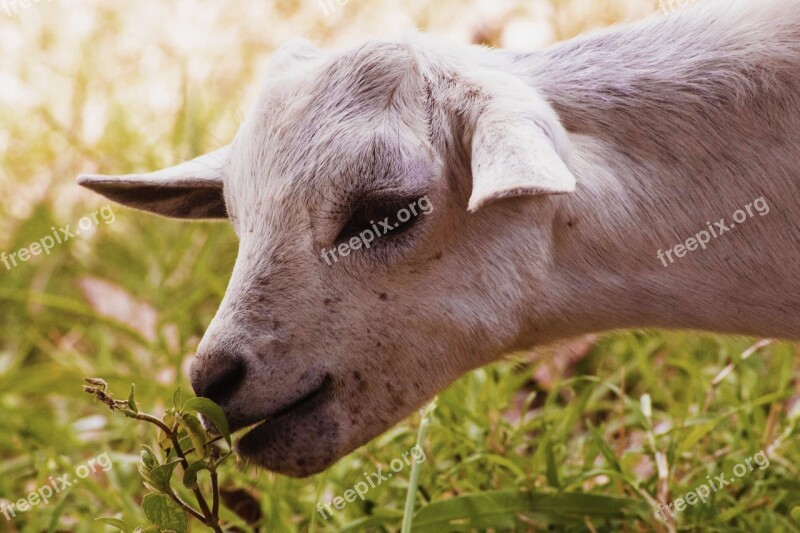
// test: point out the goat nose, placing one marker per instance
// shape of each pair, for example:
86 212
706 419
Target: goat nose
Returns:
217 376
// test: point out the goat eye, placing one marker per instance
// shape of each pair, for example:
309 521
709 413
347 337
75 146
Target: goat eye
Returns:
384 219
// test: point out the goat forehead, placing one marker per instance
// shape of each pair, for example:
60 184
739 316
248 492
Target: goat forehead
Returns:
370 74
353 121
338 169
364 79
349 91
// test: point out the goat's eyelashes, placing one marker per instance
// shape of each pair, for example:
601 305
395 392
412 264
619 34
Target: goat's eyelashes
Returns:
384 219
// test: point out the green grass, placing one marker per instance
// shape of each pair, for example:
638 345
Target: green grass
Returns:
504 451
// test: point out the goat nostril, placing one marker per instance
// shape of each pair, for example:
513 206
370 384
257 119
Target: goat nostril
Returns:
224 376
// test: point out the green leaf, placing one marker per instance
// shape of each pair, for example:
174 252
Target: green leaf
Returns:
115 522
176 400
499 509
185 444
164 442
148 457
55 517
212 412
190 475
159 477
379 517
697 433
551 468
165 513
169 419
132 399
197 433
601 443
795 514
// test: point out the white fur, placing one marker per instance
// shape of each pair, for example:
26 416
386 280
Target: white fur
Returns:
664 125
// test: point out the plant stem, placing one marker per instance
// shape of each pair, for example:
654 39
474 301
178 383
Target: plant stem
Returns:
208 518
413 481
186 507
214 495
153 420
201 501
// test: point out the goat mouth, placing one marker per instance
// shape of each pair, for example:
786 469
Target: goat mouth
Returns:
306 403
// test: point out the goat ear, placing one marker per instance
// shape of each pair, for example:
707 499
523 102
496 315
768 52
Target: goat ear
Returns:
189 190
519 147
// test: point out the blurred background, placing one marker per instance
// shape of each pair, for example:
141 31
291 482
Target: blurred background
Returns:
117 87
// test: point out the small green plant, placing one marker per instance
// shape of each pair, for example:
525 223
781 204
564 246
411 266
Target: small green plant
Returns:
183 441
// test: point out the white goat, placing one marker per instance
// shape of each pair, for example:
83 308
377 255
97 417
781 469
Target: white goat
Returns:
559 179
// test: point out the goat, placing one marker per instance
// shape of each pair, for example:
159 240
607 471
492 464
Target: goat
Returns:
646 175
